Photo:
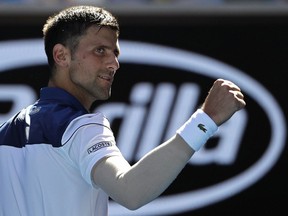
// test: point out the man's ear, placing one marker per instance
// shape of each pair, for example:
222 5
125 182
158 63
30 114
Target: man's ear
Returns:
61 55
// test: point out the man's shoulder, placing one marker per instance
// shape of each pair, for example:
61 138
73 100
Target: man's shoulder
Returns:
49 122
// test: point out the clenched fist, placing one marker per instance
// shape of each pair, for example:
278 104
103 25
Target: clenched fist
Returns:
223 100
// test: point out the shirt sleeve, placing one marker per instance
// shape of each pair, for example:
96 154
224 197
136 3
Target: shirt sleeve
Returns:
87 140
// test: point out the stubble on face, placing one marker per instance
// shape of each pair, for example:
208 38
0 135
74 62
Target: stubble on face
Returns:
89 70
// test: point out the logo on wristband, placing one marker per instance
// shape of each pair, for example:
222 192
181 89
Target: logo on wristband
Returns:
202 127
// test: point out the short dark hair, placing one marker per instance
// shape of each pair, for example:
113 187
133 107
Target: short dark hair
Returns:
69 24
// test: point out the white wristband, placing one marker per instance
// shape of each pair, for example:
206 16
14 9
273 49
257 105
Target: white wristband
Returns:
198 129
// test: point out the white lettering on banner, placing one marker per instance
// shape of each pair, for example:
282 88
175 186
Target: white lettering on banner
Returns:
155 122
133 116
19 95
137 119
157 118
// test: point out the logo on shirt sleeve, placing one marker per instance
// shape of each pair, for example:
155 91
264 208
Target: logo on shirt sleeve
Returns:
98 146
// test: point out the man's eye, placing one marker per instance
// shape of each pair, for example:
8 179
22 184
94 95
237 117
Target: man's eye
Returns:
100 50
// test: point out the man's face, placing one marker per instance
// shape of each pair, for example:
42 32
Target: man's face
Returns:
94 63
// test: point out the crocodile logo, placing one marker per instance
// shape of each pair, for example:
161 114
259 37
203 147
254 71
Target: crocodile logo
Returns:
202 127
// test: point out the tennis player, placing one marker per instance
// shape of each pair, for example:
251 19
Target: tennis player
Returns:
58 159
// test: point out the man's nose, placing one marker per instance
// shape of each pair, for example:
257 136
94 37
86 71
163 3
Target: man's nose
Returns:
114 65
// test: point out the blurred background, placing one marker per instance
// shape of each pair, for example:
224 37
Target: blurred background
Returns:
175 49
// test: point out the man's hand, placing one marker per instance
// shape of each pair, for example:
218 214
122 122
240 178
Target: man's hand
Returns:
223 100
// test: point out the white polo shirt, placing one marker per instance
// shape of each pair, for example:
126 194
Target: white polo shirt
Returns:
47 152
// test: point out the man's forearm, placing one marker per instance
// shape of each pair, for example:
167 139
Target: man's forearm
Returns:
136 186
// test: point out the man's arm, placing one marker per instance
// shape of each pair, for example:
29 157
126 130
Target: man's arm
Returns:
137 185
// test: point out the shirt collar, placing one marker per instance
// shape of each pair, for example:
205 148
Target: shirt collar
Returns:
61 96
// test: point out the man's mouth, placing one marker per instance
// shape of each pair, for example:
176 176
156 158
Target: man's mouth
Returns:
106 78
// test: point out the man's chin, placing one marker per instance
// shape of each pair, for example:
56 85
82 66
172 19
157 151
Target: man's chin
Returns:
104 97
